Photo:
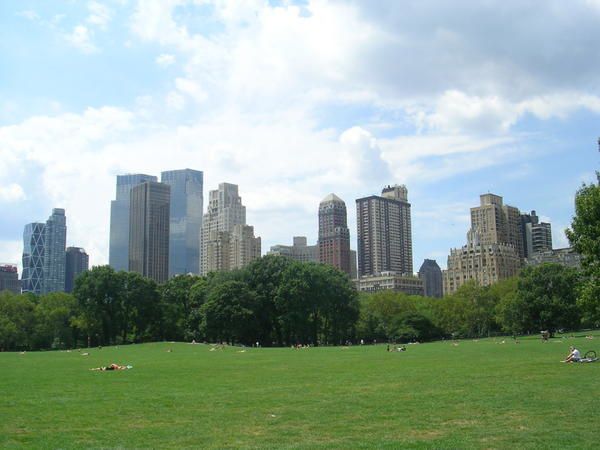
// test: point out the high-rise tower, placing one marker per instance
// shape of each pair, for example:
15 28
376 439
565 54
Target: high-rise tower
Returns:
186 220
384 233
497 223
33 258
77 262
227 242
118 256
55 242
149 230
334 235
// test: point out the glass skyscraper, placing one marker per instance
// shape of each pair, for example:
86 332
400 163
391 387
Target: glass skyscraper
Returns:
149 230
119 220
77 263
185 220
33 258
55 243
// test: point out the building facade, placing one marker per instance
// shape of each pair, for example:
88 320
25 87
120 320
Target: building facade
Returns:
564 256
77 262
431 274
227 242
384 233
408 284
537 236
149 230
185 220
334 235
9 278
32 277
118 256
55 243
299 251
497 223
485 264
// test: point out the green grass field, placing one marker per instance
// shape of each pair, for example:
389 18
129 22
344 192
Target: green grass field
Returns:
478 394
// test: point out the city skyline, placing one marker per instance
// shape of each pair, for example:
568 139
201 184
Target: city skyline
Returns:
239 91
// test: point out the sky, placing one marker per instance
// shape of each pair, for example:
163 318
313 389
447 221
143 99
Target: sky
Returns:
295 100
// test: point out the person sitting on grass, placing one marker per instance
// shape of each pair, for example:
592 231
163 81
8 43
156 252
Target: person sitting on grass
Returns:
573 356
112 366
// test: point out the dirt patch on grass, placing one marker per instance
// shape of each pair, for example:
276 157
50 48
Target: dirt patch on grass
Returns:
425 435
461 423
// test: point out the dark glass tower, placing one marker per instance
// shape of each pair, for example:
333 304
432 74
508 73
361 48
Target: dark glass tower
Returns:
149 230
118 257
185 220
334 236
77 262
431 274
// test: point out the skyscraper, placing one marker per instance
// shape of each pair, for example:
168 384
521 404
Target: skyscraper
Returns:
537 236
384 233
77 262
497 223
55 242
185 220
149 230
334 235
118 256
227 242
494 249
431 274
32 277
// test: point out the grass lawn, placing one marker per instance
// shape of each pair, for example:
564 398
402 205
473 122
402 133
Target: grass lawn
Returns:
478 394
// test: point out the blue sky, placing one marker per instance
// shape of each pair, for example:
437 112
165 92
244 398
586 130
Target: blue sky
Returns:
294 100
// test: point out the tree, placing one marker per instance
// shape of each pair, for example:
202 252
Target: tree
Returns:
54 318
176 306
584 236
99 294
265 276
17 321
229 313
545 299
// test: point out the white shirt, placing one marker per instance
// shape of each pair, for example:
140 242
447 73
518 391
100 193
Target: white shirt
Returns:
575 354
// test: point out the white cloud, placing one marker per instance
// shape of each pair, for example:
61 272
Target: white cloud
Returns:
165 59
29 14
191 89
11 193
80 38
99 15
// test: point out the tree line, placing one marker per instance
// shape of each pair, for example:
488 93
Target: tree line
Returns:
276 301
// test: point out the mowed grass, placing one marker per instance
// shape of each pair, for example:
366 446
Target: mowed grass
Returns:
478 394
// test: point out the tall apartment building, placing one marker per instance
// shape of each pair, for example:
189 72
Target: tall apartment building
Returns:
537 236
384 233
185 220
497 223
227 242
32 277
9 278
118 256
149 230
55 243
486 264
300 250
77 262
431 274
334 235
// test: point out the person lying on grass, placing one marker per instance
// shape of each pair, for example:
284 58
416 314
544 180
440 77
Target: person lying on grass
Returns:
573 356
112 366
